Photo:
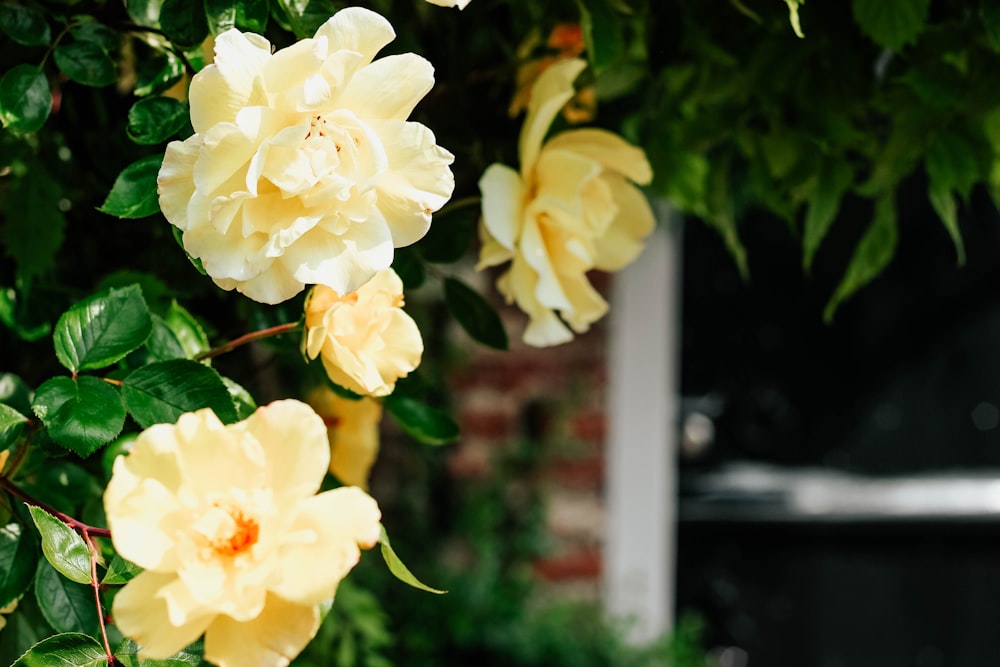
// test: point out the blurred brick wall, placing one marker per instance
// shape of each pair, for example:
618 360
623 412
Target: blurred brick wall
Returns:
552 398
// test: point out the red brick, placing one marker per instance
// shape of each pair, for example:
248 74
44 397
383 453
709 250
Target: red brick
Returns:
579 565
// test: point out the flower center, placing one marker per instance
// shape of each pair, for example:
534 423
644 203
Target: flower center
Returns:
226 530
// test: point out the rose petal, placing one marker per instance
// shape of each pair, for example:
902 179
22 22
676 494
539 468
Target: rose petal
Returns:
272 639
503 194
140 612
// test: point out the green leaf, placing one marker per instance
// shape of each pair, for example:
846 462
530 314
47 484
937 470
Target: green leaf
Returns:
102 329
871 256
891 23
475 315
24 24
305 16
245 405
25 99
15 393
832 182
188 330
34 227
127 654
106 38
82 414
134 193
18 559
153 120
66 606
162 392
398 569
195 262
87 63
11 425
155 75
450 236
989 12
183 21
162 344
71 649
944 204
120 571
63 547
602 32
426 424
409 266
248 15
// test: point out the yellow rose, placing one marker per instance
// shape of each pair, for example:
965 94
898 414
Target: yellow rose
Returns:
365 339
303 168
352 427
571 208
234 540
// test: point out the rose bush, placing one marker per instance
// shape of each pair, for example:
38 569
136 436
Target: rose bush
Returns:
303 168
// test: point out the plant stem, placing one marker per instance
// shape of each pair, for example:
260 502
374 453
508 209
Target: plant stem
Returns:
75 524
459 203
97 595
247 338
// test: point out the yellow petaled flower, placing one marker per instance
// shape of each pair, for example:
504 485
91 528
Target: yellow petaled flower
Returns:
352 427
303 168
572 207
450 3
365 339
234 540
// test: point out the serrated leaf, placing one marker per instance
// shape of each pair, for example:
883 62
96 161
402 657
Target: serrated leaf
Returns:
426 424
72 649
33 229
11 425
24 24
476 316
872 254
162 392
248 15
134 193
602 32
67 606
25 98
153 120
18 559
162 344
120 571
102 329
891 23
63 547
831 183
183 21
80 415
87 63
127 654
398 569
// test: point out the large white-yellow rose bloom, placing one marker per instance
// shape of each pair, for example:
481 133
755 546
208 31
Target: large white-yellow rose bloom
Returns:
234 539
365 339
303 168
571 208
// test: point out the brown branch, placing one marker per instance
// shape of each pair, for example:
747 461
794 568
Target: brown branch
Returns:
75 524
247 338
97 596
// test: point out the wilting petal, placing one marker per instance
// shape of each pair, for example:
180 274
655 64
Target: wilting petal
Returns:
272 639
550 94
607 149
503 204
625 236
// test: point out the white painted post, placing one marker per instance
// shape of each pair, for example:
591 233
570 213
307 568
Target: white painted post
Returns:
640 486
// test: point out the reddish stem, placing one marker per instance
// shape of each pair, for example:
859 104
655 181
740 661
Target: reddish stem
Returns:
78 526
247 338
97 595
